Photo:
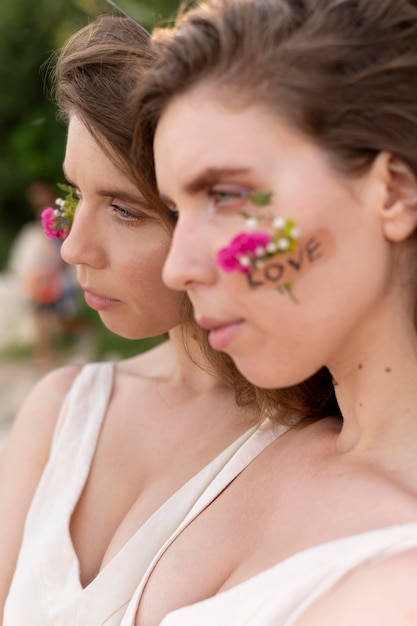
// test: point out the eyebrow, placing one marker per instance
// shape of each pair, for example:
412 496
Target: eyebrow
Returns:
125 196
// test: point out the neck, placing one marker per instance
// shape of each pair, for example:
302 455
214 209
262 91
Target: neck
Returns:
377 391
190 365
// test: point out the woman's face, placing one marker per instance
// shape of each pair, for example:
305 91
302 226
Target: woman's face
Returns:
117 244
340 272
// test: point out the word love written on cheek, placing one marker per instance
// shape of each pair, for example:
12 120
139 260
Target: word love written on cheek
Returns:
285 268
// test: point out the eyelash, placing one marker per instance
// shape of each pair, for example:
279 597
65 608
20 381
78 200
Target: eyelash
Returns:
122 215
224 197
227 199
125 216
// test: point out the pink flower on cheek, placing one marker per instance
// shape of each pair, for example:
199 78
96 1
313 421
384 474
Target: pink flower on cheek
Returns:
249 242
228 261
242 251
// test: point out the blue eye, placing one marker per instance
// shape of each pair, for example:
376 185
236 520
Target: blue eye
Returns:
121 211
124 215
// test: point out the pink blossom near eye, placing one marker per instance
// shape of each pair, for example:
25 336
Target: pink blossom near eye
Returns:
57 222
61 234
48 219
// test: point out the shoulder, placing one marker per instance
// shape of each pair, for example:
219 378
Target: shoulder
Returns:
34 424
382 593
23 461
51 388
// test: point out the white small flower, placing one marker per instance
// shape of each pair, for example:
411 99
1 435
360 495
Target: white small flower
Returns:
278 223
294 232
259 251
60 202
251 223
283 243
271 247
244 260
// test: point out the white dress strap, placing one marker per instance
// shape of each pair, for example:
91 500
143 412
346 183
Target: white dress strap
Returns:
260 438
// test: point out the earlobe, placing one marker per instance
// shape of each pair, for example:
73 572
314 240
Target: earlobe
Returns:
399 210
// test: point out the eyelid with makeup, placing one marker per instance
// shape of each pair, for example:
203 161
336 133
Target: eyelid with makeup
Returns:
223 197
126 214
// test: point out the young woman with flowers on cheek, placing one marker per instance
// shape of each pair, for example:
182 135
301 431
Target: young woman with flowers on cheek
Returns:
294 184
106 460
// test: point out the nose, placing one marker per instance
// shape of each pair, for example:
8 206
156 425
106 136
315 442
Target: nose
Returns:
188 263
82 246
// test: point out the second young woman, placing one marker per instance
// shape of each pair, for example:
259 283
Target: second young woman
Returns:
105 460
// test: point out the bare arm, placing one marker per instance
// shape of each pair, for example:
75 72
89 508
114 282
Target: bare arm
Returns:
23 461
380 594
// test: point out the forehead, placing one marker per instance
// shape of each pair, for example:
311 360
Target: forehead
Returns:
85 158
199 129
200 114
81 145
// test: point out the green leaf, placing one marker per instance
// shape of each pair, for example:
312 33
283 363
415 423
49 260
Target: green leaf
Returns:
260 199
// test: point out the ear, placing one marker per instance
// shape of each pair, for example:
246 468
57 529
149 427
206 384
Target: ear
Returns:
398 211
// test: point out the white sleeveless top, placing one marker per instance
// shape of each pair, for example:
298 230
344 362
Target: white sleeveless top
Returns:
46 588
279 595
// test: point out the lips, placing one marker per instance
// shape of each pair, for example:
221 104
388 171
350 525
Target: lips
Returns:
99 303
221 333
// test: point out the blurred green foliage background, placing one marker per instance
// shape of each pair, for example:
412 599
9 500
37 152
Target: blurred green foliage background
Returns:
32 140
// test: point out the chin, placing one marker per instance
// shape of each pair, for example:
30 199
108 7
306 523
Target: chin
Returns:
133 331
121 328
268 376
